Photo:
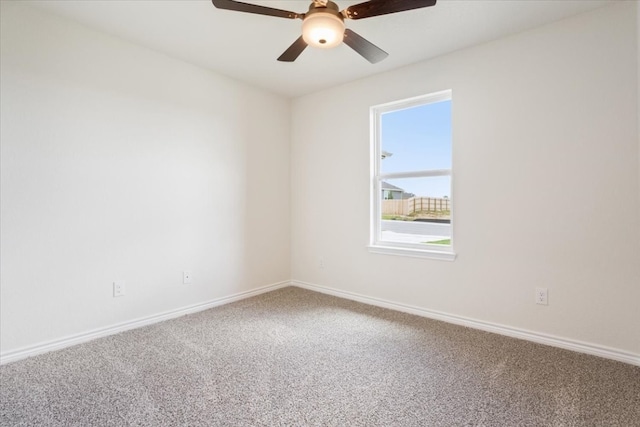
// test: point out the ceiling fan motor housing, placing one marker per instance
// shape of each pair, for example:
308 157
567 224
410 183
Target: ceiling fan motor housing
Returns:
323 26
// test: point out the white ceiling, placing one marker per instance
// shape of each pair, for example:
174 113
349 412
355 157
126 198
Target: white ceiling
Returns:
245 46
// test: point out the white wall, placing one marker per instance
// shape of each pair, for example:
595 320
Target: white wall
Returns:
119 163
546 190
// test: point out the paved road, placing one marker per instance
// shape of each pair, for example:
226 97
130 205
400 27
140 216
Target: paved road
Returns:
414 231
410 238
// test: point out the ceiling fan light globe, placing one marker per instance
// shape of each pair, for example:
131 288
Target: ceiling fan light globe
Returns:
323 30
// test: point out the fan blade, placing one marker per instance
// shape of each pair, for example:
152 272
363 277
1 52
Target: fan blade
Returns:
254 8
368 50
292 53
383 7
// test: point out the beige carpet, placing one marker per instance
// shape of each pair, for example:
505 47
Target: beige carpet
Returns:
298 358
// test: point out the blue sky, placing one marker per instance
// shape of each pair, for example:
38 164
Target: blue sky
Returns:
419 138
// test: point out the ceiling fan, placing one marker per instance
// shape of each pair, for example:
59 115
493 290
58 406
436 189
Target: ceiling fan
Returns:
323 24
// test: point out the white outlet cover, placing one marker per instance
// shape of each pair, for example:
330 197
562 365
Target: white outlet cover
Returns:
542 296
186 277
119 288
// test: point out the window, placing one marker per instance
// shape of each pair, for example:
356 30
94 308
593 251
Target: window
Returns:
411 199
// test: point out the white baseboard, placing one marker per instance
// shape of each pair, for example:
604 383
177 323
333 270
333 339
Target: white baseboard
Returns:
582 347
565 343
44 347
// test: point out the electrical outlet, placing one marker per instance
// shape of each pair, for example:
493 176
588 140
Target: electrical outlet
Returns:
118 288
542 296
186 277
321 263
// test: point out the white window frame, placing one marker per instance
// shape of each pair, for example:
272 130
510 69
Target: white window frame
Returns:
376 245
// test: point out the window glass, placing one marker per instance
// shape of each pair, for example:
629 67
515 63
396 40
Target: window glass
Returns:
416 210
417 138
412 159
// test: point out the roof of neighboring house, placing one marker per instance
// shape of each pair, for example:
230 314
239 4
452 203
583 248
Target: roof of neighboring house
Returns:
387 186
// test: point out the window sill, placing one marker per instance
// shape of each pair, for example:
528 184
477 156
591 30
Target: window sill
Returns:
410 252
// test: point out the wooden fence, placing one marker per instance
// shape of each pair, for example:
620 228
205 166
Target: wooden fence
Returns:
415 204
